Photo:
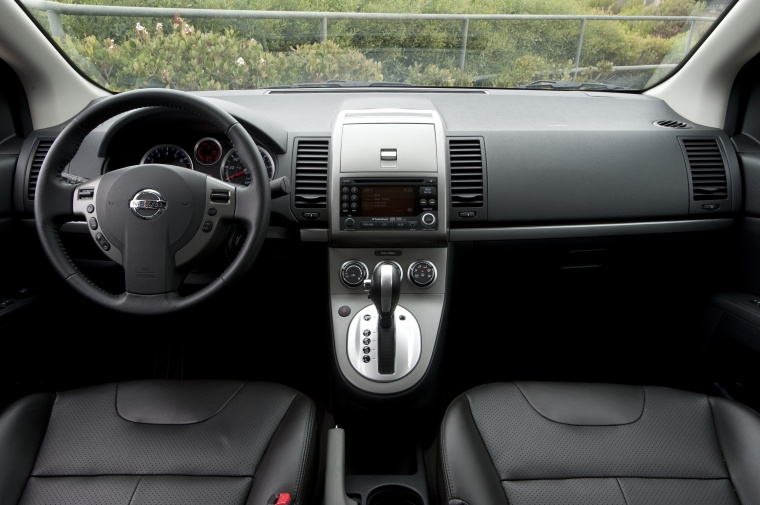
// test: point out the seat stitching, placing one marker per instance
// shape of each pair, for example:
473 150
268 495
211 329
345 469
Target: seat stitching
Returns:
643 407
720 446
116 408
617 479
134 491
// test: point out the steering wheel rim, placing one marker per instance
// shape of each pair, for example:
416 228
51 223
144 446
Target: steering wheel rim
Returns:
57 202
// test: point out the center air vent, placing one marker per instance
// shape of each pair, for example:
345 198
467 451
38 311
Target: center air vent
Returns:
466 172
310 189
35 165
668 123
706 168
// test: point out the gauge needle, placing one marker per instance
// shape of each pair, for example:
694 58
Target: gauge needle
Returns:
236 174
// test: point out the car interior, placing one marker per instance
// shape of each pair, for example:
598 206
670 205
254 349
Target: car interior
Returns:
380 295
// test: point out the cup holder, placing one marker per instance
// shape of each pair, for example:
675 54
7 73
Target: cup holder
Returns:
394 495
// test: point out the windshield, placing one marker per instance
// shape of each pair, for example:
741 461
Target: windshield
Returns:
245 44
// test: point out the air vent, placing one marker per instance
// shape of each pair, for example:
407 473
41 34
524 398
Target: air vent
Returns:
707 169
311 173
40 151
668 123
466 171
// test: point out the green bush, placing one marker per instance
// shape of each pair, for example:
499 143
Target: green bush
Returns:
414 51
185 58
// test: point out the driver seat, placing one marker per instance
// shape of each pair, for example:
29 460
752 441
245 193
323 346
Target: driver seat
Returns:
160 441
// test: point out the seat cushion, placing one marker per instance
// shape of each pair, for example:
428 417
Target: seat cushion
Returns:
526 443
145 442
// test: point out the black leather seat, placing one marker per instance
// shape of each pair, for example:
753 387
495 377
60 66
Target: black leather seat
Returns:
527 443
159 442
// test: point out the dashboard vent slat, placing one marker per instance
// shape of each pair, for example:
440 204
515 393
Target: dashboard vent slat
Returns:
35 165
706 168
669 123
310 189
466 172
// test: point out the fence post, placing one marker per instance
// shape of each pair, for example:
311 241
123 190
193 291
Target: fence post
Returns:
463 47
56 27
323 29
578 51
689 40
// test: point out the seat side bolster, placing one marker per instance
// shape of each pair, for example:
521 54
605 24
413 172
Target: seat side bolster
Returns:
738 431
466 469
290 462
22 429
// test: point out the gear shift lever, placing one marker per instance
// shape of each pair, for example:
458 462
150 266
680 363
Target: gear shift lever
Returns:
384 291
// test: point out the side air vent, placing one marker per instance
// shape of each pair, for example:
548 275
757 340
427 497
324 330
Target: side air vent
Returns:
466 172
310 189
706 168
40 151
667 123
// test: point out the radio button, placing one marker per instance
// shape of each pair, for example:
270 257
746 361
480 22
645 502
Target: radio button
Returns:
354 206
429 191
428 219
349 223
423 202
400 224
367 224
432 202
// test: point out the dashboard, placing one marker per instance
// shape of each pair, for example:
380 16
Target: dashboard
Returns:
396 177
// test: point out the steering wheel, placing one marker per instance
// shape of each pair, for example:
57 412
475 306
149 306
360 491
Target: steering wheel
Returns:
154 220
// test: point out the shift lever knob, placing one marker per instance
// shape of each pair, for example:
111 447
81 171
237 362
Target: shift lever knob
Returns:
384 291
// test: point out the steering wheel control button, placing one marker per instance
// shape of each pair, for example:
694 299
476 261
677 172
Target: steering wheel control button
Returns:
211 211
90 208
220 196
102 242
208 225
93 223
344 311
147 204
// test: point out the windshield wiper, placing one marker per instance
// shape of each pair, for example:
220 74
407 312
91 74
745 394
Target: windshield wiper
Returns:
571 85
336 83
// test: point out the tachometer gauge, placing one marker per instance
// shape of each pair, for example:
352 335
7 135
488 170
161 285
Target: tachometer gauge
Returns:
233 170
168 154
208 151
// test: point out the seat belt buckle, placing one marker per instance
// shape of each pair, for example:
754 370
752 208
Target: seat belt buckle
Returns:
279 499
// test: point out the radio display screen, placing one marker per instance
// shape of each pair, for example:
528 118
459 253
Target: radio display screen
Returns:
387 201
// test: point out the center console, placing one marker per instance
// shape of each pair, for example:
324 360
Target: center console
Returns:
388 266
388 237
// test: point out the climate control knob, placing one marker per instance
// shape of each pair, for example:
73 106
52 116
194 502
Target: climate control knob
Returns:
353 273
422 273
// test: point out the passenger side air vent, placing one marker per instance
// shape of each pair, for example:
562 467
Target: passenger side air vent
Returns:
707 169
466 172
310 171
668 123
35 165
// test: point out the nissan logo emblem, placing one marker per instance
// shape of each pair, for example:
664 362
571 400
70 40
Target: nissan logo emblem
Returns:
147 204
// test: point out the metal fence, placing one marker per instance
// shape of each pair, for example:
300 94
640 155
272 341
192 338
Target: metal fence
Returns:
321 19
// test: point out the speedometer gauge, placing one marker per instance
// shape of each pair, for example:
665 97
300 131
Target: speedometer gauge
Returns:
233 170
168 154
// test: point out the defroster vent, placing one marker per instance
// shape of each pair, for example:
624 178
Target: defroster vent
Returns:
35 165
706 168
466 172
310 189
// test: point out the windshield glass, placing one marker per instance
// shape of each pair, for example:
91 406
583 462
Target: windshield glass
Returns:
244 44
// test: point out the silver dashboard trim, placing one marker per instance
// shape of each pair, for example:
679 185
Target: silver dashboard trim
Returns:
588 230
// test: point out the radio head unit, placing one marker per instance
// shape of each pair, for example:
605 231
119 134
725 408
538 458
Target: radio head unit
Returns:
389 203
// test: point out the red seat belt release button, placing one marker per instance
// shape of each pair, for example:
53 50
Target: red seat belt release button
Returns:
283 499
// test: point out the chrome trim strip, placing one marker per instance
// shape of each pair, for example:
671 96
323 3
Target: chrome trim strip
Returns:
587 230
